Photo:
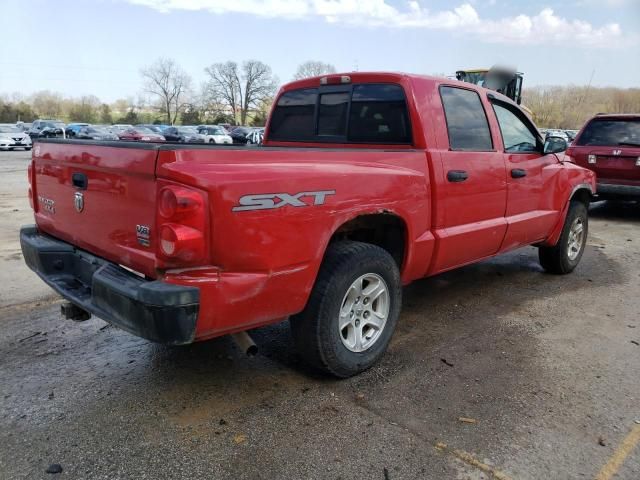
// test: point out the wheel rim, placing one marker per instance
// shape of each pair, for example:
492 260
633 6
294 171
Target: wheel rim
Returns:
576 238
364 312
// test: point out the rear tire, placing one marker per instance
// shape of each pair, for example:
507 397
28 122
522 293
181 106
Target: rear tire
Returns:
564 257
358 288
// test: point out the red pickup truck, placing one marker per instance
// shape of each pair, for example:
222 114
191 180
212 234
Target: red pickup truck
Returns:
365 182
610 146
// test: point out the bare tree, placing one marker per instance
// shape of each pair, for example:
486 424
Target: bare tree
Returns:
242 90
166 81
313 69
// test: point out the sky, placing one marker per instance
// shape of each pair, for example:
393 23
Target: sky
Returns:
98 47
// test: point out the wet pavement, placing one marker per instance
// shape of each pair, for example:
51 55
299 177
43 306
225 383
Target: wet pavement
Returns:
496 370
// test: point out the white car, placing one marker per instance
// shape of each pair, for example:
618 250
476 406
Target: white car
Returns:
13 137
215 134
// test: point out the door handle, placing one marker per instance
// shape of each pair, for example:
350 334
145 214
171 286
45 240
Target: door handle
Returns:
457 176
518 173
79 180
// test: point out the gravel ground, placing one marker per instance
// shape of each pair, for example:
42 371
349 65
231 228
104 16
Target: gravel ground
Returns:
544 368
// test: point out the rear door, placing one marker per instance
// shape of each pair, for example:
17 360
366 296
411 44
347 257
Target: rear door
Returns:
99 198
531 206
472 193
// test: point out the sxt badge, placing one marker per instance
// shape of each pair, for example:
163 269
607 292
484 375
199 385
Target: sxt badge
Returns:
277 200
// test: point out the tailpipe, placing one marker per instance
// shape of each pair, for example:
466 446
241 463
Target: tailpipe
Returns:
245 343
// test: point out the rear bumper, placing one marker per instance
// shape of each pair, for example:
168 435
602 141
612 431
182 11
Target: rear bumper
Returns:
155 310
610 190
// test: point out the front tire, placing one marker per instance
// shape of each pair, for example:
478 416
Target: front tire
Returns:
564 257
352 311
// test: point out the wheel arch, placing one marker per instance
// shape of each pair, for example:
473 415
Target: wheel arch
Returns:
582 192
386 229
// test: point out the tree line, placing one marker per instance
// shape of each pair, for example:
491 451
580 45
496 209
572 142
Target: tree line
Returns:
242 94
235 93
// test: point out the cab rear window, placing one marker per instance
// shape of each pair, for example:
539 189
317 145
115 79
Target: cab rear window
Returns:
611 132
364 113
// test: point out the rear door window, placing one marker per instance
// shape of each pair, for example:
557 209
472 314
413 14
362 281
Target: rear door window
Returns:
611 132
466 120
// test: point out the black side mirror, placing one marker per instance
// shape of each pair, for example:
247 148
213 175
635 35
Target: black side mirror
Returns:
554 145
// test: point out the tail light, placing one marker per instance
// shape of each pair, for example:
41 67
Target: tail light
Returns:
30 179
182 222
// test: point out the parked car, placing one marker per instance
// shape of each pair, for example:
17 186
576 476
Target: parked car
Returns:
95 133
571 134
120 127
140 134
72 129
410 176
183 135
557 133
12 137
214 134
255 136
610 146
154 128
46 129
239 134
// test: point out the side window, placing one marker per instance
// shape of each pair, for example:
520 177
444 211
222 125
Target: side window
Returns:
516 135
379 115
466 120
332 113
293 117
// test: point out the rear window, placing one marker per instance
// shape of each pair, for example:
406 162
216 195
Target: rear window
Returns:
608 132
466 120
366 113
293 117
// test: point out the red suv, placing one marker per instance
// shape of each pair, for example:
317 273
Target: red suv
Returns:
610 146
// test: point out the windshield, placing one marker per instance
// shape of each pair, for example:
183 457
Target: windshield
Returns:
9 129
144 130
189 130
608 132
217 131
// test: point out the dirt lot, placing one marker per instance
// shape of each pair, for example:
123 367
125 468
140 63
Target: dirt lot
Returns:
545 368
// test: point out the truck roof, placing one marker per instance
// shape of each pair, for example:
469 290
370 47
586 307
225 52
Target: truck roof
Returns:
387 77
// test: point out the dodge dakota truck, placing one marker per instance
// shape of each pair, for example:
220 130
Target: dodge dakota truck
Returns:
365 182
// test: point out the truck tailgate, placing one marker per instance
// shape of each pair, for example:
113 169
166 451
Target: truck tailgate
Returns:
100 198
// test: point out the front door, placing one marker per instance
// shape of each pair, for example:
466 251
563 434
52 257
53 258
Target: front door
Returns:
531 179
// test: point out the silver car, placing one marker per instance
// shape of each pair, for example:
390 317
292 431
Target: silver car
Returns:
13 137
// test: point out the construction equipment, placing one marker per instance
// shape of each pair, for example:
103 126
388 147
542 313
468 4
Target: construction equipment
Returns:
504 80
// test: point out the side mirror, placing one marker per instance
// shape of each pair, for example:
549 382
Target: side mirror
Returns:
554 145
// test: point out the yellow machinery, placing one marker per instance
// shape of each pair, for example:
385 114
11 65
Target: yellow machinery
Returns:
503 80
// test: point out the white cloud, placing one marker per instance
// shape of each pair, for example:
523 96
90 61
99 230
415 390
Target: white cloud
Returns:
543 28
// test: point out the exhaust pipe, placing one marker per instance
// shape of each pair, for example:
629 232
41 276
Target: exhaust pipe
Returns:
245 343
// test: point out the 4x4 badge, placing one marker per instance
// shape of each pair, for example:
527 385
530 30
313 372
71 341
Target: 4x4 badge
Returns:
78 201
